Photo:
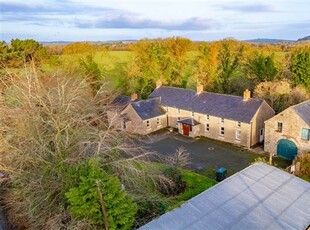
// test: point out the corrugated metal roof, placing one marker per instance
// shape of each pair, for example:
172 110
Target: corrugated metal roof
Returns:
258 197
219 105
303 110
147 109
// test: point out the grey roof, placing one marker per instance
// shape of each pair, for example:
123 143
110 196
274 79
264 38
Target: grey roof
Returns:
258 197
147 109
120 102
189 121
303 110
219 105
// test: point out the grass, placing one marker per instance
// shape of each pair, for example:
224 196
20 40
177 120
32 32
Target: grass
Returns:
195 184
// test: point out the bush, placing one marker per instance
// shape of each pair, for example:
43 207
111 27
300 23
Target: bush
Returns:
172 184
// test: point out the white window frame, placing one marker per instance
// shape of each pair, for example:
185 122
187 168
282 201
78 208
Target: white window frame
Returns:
158 121
238 134
220 131
305 134
178 118
222 120
207 127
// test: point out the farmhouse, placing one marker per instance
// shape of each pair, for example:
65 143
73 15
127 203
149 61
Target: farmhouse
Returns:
234 119
288 133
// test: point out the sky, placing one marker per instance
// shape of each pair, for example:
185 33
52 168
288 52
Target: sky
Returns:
104 20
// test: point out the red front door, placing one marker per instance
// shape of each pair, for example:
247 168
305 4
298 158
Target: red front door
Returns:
185 129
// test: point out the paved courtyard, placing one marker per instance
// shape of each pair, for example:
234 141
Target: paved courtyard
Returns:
206 155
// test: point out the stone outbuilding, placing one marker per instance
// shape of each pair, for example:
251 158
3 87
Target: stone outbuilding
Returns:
288 133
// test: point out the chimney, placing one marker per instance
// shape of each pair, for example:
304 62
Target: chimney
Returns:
199 88
246 95
159 83
134 96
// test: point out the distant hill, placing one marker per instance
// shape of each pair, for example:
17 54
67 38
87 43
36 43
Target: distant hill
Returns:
307 38
268 40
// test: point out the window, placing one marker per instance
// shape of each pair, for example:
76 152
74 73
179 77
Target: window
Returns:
207 127
222 131
280 126
148 125
158 121
238 135
239 124
178 118
222 120
207 117
193 114
179 111
305 134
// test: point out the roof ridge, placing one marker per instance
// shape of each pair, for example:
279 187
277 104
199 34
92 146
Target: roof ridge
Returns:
207 92
301 103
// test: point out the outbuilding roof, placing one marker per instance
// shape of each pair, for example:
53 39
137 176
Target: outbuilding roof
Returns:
259 197
120 102
219 105
149 108
303 110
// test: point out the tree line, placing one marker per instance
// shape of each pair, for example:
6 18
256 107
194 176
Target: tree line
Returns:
69 169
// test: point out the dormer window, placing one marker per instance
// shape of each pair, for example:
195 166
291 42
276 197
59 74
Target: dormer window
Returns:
207 117
193 114
179 111
222 120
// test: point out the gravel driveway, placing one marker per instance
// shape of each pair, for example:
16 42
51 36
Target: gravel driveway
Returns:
205 154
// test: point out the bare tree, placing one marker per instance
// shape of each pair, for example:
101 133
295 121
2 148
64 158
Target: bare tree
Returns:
49 125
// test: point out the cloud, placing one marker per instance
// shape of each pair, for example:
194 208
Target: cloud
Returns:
135 22
56 7
247 8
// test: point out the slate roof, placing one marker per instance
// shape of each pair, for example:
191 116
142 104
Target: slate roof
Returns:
120 102
189 121
303 110
149 108
258 197
219 105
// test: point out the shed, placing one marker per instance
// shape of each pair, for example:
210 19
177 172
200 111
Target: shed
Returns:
259 197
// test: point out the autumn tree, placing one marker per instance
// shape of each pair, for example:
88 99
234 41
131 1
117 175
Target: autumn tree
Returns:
275 93
206 64
300 67
262 67
92 72
157 59
229 57
82 47
21 52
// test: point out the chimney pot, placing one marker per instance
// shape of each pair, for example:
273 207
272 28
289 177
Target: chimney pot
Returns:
159 83
134 96
199 88
246 95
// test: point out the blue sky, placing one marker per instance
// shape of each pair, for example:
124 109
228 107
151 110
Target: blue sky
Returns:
102 20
